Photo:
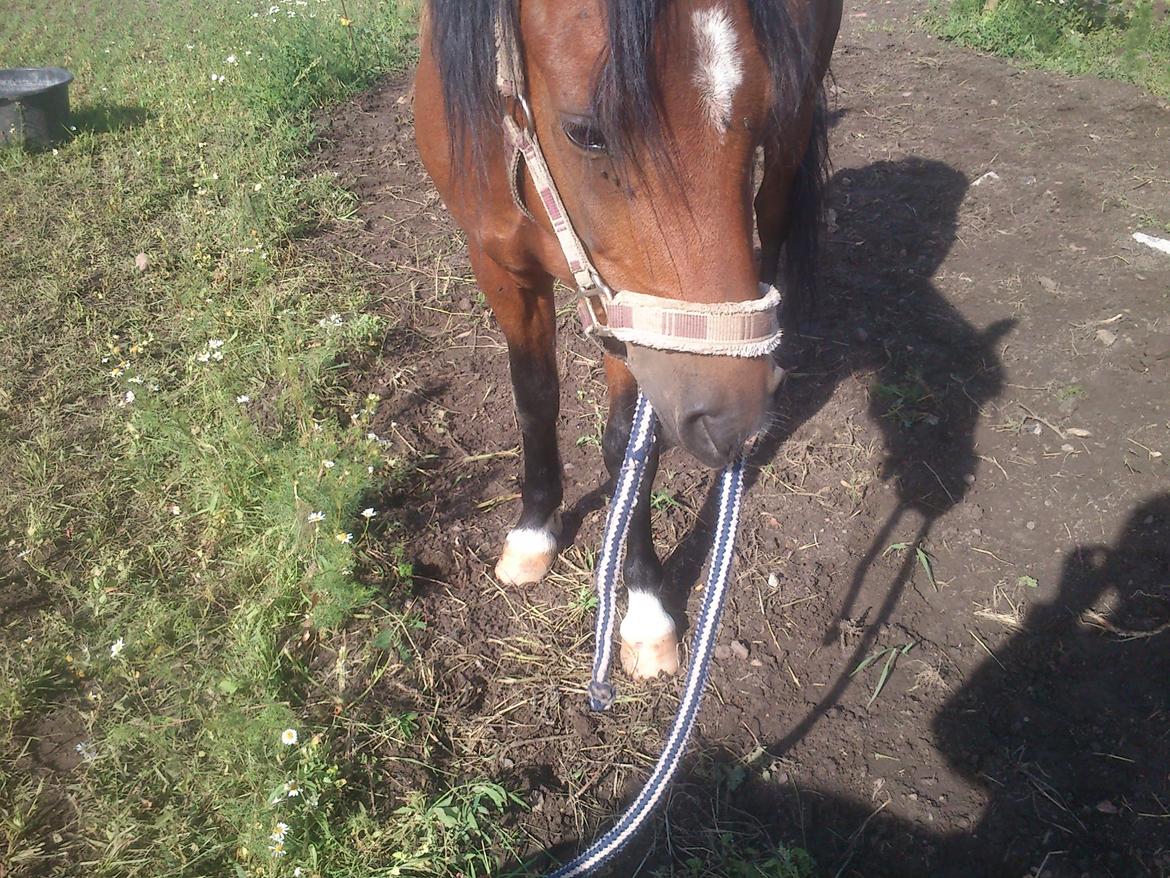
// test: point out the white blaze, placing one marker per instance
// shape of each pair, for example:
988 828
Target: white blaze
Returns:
720 69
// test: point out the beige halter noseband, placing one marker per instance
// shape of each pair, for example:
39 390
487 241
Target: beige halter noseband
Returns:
733 329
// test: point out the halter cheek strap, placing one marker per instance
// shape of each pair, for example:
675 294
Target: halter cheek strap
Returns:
732 329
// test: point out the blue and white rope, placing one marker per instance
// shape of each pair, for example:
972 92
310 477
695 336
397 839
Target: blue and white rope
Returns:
617 524
706 627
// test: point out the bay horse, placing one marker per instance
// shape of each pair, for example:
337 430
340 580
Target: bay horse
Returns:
649 115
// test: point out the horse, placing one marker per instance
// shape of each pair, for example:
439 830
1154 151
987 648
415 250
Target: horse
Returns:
640 127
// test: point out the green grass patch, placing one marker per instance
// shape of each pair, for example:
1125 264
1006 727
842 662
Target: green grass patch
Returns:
182 513
1121 39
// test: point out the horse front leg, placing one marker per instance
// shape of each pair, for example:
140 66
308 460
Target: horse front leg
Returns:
526 312
649 635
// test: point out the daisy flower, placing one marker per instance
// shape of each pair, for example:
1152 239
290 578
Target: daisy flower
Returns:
288 737
344 538
367 514
315 517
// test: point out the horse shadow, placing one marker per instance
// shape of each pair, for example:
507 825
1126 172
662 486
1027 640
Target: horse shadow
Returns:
891 225
1062 733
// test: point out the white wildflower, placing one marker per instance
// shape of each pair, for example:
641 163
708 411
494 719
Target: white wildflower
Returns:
344 538
315 517
231 59
116 647
329 464
288 737
368 513
243 399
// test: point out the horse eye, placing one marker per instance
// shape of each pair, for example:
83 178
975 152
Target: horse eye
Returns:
584 135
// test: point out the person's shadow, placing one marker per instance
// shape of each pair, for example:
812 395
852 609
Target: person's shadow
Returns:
1067 730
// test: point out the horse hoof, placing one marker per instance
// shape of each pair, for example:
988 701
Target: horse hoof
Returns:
646 659
527 556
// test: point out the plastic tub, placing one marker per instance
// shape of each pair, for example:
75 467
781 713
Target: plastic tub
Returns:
34 105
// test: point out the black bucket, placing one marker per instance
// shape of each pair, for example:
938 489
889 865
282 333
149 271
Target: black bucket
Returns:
34 105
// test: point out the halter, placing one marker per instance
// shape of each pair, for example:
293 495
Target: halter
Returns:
732 329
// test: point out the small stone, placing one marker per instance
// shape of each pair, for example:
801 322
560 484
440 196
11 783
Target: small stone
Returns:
1067 449
1106 337
141 262
1048 283
1107 807
756 663
1031 525
739 648
969 478
773 581
722 652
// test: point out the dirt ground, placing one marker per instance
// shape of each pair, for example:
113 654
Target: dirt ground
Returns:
986 379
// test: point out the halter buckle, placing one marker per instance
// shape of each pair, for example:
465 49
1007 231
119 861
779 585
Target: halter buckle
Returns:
529 122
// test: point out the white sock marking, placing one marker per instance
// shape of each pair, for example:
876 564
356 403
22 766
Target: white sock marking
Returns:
645 619
532 540
720 70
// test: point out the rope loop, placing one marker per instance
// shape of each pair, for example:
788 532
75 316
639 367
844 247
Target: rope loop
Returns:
601 691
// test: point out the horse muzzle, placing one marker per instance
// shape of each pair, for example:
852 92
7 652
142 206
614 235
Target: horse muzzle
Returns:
709 405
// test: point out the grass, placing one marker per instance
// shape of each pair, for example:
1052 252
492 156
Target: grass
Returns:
197 592
182 512
1122 39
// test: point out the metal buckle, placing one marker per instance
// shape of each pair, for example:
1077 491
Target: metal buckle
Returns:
528 120
606 292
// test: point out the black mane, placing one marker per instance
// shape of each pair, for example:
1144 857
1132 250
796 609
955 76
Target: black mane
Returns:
627 102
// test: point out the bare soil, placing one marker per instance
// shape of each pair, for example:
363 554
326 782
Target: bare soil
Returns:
986 380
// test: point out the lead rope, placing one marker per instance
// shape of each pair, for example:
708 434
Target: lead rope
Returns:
601 691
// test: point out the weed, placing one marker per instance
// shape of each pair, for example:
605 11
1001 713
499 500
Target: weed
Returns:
891 654
662 499
923 559
728 857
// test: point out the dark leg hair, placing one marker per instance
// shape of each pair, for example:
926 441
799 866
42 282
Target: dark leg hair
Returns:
526 313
